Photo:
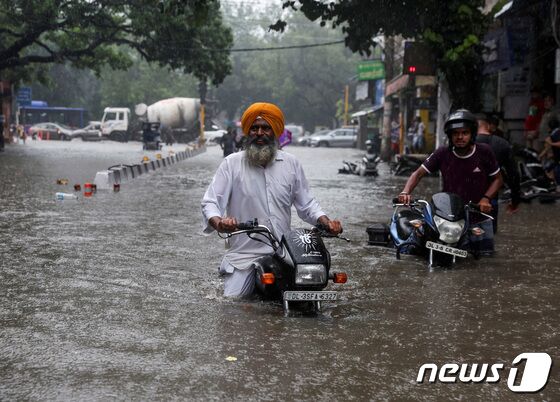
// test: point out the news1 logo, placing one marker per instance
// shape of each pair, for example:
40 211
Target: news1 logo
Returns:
533 378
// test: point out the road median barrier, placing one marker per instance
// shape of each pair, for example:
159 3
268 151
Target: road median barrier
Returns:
118 174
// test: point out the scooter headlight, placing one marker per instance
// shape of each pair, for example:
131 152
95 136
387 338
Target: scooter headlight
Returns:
449 232
311 274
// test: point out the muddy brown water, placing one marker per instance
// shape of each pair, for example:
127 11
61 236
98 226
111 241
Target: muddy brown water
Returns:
118 297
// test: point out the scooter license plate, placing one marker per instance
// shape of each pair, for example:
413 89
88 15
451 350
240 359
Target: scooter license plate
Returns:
293 295
446 249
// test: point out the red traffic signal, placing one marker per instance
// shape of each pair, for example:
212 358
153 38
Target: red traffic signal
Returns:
418 59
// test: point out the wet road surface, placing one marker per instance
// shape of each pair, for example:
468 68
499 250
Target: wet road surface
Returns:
118 297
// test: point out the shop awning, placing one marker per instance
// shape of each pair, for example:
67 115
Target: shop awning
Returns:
504 9
367 111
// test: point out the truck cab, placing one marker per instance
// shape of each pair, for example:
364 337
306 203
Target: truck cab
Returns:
115 123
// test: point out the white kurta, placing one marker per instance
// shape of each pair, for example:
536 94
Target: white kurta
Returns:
245 192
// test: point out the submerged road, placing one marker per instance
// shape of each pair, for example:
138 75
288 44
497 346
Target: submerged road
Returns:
117 297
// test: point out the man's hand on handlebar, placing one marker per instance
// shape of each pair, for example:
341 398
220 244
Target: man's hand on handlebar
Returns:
224 225
404 198
334 227
485 205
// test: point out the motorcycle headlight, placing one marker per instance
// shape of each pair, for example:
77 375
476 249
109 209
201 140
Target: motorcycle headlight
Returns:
449 232
311 274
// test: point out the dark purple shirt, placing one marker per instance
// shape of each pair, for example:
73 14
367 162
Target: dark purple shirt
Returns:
468 176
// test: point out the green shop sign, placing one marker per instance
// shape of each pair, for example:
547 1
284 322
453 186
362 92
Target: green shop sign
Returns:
371 70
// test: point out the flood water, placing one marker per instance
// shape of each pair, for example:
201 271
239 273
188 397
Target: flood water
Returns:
117 297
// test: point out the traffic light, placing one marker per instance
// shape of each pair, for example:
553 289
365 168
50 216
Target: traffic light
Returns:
418 59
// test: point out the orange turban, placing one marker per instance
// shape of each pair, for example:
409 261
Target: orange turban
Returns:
271 113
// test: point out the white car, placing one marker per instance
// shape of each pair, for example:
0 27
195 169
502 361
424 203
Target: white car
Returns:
339 137
91 132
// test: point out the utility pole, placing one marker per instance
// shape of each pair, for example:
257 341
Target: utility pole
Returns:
346 105
202 88
389 60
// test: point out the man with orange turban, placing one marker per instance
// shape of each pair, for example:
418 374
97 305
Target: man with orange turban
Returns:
260 182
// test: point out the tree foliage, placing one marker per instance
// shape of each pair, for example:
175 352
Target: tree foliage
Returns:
453 29
94 33
306 82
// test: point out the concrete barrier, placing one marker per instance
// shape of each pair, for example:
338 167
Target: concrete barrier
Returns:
117 174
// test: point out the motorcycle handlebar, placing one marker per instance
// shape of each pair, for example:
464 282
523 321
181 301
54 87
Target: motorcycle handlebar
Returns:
414 202
248 225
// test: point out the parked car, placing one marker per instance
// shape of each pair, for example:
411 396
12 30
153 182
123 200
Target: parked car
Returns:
52 131
339 137
91 132
306 139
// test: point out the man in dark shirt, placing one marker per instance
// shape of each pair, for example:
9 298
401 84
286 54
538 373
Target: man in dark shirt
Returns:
468 169
504 155
227 142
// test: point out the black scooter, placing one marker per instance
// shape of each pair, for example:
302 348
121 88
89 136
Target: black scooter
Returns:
298 269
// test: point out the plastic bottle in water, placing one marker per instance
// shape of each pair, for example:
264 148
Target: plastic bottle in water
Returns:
66 196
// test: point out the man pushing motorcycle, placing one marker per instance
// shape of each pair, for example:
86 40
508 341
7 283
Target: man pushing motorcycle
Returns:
468 169
260 182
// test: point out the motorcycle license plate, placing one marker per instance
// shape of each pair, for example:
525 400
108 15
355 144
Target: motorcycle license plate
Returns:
293 295
446 249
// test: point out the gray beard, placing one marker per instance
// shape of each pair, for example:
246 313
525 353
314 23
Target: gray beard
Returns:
261 155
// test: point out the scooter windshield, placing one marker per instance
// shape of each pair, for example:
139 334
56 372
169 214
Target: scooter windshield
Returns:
448 206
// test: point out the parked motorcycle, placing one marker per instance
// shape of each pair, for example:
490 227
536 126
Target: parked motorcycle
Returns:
406 164
438 229
534 181
299 267
367 166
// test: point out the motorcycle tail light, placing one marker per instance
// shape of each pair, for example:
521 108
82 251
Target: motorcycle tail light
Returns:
340 277
267 278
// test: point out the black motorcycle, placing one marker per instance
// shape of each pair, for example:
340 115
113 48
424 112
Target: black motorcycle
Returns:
406 164
366 166
297 270
535 183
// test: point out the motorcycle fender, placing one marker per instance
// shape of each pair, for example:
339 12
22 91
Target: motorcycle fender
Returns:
270 264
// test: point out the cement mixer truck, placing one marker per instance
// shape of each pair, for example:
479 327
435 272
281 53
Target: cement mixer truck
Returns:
178 118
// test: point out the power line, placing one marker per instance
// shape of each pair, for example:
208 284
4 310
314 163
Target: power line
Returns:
261 49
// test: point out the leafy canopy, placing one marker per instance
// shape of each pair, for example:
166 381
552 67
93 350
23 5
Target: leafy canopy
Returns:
452 28
94 33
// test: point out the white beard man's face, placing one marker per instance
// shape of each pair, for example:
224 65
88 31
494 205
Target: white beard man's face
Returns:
260 150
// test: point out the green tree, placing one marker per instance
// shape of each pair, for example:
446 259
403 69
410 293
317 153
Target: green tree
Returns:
306 82
453 29
95 33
